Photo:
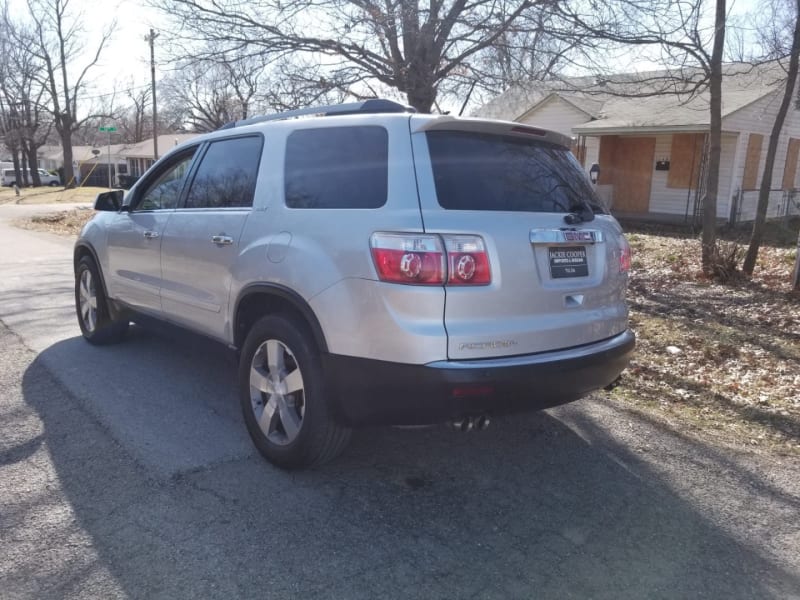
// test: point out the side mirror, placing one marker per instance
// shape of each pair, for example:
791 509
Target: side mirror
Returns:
109 201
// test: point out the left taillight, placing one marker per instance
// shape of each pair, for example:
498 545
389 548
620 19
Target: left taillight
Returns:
415 259
430 259
467 260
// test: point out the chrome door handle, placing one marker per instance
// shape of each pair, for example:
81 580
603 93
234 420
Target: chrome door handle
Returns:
221 240
150 235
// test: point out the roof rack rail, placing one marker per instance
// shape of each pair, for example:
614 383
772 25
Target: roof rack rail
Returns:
373 105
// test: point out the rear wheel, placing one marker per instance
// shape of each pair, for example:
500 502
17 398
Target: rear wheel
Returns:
53 184
91 304
284 403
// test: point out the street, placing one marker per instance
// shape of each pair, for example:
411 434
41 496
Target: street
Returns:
126 472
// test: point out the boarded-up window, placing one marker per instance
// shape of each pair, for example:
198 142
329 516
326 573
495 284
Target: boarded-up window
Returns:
753 157
608 144
790 168
685 155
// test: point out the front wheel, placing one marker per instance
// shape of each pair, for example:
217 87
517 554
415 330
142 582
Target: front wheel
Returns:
94 316
283 397
53 184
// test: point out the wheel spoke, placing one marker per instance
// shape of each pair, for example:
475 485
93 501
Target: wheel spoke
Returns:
289 418
93 301
269 416
92 320
275 357
293 381
258 379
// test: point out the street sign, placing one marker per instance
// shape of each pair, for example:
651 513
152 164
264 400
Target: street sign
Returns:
108 129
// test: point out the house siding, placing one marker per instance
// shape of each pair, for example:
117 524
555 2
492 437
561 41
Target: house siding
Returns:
758 118
557 115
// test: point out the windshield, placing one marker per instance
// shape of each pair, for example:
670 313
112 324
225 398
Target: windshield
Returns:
478 171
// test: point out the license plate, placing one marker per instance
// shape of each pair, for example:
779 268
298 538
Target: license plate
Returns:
568 261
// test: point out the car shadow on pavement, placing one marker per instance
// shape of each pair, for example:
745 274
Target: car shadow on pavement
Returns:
530 508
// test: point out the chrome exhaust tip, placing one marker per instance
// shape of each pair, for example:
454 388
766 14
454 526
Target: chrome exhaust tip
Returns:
482 422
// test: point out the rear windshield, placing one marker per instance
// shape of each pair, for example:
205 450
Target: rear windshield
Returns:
476 171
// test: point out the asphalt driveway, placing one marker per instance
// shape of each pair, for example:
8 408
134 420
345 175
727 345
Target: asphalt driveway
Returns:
126 472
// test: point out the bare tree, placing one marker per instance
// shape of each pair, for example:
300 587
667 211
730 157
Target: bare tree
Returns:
418 49
687 37
24 127
58 43
134 122
781 39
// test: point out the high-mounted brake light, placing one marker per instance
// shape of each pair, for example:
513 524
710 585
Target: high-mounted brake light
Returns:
421 259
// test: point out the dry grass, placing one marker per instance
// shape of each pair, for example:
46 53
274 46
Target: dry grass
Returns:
49 195
721 361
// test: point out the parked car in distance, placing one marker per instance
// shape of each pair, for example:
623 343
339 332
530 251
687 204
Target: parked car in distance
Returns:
371 266
9 178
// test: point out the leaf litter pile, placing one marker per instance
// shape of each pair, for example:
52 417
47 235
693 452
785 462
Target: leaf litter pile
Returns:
712 358
721 361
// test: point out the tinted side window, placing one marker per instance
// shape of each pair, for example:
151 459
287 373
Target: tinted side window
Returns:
337 167
165 192
476 171
227 176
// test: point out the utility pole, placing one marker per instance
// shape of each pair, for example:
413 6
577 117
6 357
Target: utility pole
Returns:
152 38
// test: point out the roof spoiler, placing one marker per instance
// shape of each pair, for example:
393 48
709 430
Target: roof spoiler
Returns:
490 126
373 105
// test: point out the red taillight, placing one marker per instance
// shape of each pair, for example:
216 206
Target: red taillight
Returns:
421 259
624 255
408 258
467 261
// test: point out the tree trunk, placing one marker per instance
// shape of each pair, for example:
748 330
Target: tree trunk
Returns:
772 150
709 239
17 166
422 97
25 169
66 147
33 163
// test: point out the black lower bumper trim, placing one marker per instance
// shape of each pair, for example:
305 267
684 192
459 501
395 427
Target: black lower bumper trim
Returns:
373 392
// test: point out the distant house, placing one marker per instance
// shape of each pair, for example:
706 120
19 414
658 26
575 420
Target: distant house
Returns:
139 157
652 150
91 164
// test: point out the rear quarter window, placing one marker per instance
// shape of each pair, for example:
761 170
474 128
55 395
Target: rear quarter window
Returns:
337 167
476 171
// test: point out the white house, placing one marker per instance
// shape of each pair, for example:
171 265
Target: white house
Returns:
140 157
652 150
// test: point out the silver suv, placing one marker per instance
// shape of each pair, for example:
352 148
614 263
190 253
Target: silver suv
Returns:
371 266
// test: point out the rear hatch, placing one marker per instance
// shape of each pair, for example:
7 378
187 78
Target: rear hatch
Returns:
557 260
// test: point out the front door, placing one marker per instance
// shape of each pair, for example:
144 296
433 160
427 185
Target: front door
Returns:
134 239
632 173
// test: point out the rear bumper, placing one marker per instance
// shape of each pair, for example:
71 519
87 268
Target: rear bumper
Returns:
373 392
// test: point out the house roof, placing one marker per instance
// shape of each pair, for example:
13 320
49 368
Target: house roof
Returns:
611 105
165 142
82 153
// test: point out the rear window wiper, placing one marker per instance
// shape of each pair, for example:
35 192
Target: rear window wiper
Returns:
582 213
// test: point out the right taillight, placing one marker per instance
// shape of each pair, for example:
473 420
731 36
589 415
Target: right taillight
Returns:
429 259
624 255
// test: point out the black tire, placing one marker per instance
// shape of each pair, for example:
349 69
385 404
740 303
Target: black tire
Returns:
318 438
102 329
53 184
